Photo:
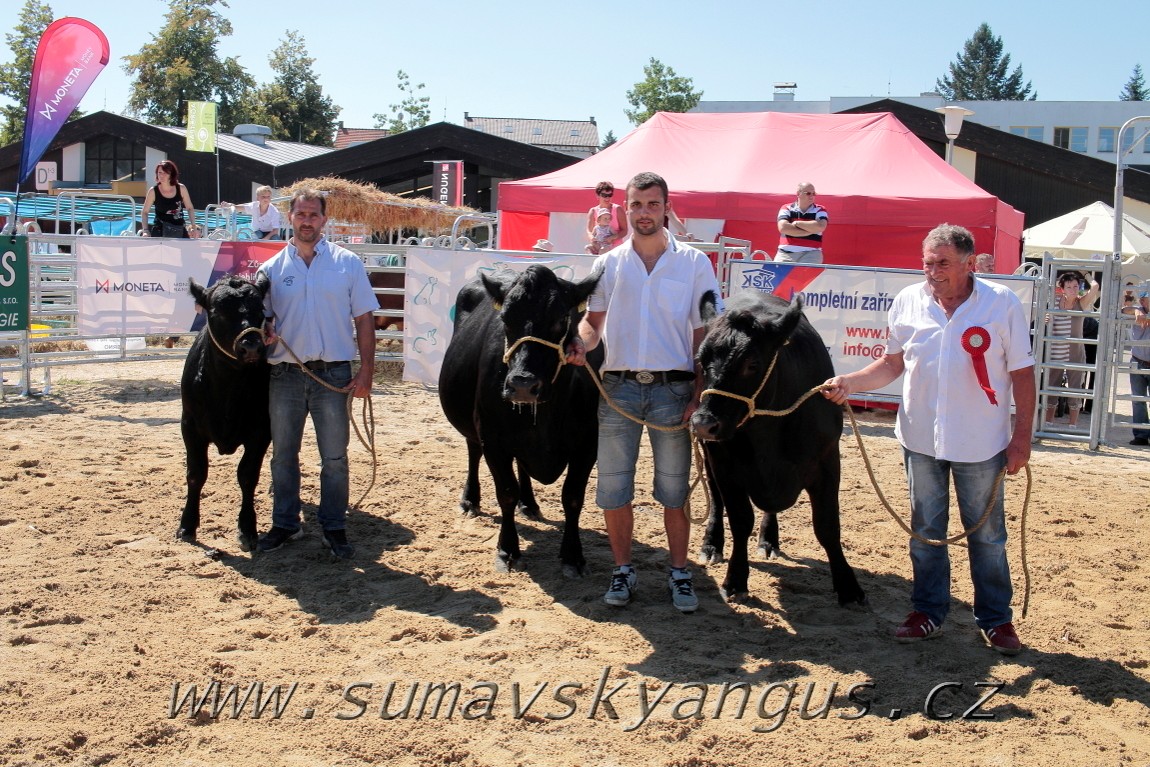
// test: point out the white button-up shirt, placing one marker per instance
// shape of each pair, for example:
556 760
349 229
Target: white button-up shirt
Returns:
945 413
651 318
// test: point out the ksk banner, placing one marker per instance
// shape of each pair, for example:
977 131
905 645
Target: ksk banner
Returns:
201 126
71 53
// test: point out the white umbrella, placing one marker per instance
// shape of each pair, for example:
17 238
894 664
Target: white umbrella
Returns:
1085 233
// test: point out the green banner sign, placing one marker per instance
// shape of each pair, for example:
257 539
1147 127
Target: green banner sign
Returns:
13 283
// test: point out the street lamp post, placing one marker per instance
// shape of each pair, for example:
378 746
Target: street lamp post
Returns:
952 126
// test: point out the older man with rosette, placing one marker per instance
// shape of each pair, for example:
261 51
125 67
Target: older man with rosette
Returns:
964 347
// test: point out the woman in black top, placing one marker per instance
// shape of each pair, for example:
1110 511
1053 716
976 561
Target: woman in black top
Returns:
171 200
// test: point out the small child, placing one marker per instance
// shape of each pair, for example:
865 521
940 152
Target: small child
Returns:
601 235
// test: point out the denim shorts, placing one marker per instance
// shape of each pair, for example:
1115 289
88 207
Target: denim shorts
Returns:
658 403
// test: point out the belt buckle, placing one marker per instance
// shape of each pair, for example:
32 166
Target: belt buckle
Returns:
645 377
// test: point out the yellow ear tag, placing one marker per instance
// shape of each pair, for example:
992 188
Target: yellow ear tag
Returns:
582 307
498 306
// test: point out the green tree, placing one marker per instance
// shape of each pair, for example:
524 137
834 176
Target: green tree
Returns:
412 112
608 140
660 91
181 64
293 104
1135 89
979 73
16 77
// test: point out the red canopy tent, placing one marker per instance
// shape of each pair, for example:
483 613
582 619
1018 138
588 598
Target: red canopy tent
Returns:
882 186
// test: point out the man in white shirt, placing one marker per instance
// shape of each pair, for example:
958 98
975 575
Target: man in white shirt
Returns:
646 311
964 345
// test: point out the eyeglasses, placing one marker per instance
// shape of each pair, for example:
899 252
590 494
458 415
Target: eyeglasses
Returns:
812 194
606 194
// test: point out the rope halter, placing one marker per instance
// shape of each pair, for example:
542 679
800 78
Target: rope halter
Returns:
259 331
749 401
558 347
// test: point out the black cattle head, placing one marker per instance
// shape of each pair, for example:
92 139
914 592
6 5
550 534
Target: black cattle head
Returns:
736 355
540 314
234 310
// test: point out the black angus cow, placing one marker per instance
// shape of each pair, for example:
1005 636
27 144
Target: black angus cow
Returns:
224 390
504 387
768 460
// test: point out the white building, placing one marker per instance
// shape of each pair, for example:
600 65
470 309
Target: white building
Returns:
1086 127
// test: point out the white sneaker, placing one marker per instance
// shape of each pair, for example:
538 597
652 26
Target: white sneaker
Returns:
683 594
622 587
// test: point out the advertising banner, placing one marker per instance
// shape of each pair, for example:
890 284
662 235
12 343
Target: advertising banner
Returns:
201 133
134 286
447 182
13 283
847 305
433 280
70 55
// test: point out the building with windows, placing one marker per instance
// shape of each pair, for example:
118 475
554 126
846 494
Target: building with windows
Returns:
1087 127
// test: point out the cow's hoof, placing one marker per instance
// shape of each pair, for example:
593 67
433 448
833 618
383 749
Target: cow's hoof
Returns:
248 542
769 552
187 535
709 555
530 512
859 602
574 572
735 597
468 509
505 563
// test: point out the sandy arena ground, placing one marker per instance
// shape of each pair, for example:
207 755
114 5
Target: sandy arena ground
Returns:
108 622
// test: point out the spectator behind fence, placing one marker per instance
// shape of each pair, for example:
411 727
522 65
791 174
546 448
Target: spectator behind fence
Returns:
174 214
1070 295
1140 364
801 227
605 190
267 221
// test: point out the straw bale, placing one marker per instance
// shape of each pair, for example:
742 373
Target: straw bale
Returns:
361 203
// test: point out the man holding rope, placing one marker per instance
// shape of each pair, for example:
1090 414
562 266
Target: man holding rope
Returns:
964 345
646 310
318 292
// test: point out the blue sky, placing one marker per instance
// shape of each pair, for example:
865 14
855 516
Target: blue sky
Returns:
571 61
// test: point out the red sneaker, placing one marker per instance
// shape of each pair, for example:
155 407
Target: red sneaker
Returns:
1003 639
917 627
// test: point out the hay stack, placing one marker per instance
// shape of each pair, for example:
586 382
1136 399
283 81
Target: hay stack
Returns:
359 203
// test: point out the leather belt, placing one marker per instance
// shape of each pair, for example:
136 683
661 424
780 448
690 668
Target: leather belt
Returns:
651 376
323 364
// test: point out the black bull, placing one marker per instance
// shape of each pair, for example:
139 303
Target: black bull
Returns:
768 460
504 387
224 391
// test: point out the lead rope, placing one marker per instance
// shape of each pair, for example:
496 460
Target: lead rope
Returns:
955 539
367 414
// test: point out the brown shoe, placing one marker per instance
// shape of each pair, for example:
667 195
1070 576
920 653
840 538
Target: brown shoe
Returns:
1003 639
916 628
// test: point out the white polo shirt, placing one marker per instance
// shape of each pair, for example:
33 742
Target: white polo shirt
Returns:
651 318
315 307
945 413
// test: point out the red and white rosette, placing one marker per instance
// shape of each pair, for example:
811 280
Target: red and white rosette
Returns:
976 341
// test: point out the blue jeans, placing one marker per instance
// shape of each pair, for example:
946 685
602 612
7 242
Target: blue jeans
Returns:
293 395
929 480
1139 386
659 403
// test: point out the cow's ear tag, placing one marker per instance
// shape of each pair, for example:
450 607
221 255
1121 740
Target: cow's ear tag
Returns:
582 307
498 305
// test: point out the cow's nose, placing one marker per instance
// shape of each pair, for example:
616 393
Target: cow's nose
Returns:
705 426
523 388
